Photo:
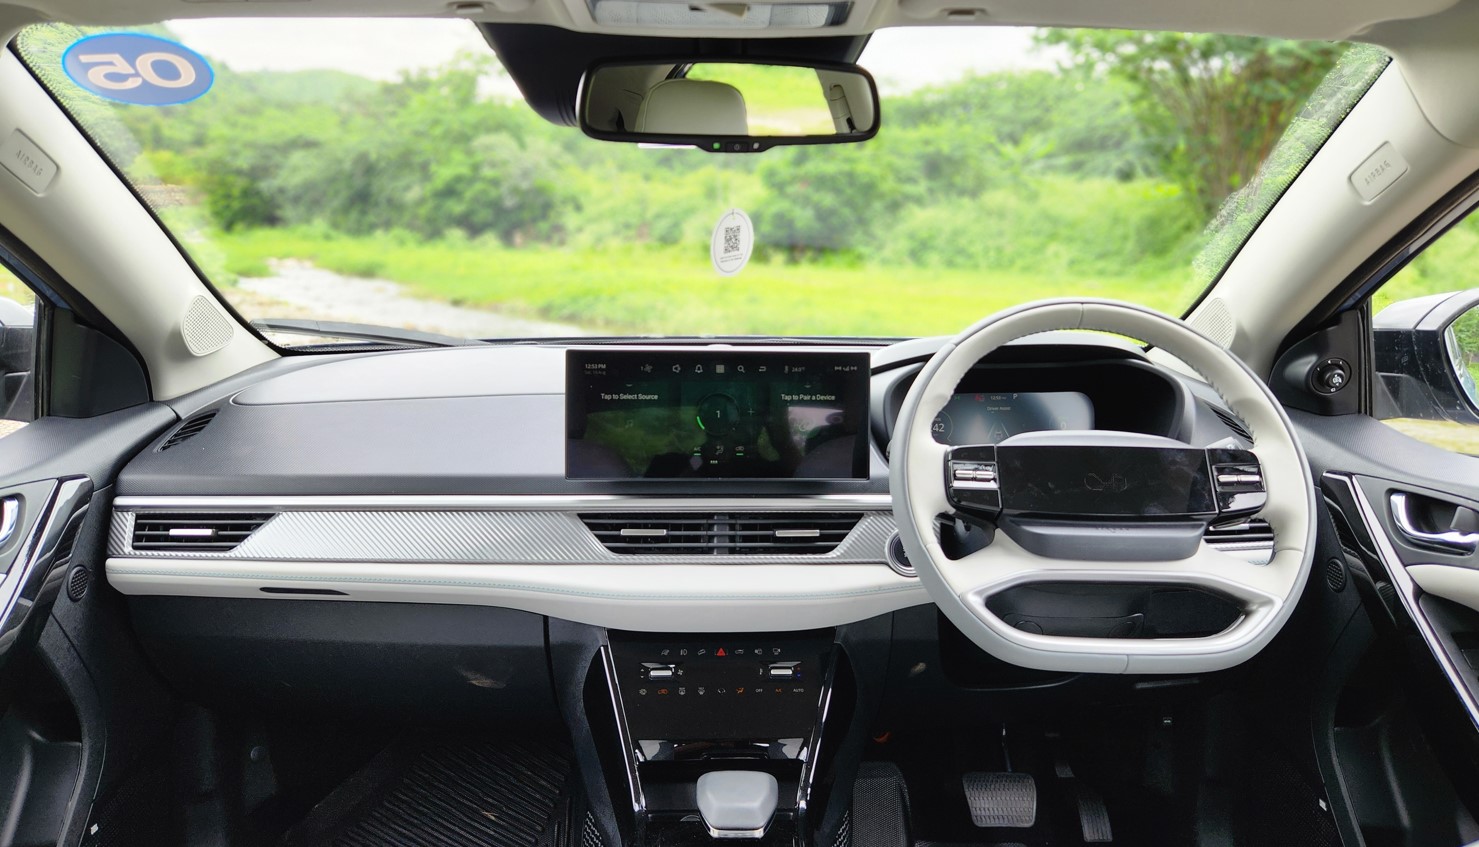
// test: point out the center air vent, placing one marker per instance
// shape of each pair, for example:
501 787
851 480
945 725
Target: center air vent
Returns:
215 532
729 534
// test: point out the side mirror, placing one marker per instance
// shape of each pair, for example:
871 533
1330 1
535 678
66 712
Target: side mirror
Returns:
1427 357
1461 344
729 105
17 359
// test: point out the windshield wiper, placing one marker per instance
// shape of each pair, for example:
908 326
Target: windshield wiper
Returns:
363 332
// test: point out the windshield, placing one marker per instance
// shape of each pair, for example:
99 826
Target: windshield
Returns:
389 173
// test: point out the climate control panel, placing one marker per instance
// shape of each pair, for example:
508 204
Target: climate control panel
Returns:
721 687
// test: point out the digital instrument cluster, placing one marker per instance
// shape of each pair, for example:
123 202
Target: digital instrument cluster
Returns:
991 418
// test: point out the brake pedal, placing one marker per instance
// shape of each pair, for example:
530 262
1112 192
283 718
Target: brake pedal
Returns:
1093 817
1001 799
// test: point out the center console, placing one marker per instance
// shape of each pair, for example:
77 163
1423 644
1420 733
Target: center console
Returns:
719 737
738 739
720 708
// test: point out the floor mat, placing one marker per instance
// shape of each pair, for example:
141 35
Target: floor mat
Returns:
448 791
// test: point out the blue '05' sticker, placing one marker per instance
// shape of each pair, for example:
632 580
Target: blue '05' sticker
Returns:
144 70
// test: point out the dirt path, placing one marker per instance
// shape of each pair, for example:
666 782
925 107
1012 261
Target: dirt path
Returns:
297 289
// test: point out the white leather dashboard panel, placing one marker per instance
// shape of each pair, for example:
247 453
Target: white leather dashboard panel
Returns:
649 598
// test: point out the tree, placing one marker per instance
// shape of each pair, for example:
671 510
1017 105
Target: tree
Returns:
1221 101
825 199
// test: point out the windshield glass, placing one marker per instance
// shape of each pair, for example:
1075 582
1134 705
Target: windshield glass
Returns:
389 173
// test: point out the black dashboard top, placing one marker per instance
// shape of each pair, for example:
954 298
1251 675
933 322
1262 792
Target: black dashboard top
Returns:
492 421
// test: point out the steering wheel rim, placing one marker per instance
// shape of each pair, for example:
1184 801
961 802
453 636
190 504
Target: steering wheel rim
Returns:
1265 594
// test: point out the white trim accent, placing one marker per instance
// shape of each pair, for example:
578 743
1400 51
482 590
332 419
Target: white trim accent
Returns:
1451 582
647 598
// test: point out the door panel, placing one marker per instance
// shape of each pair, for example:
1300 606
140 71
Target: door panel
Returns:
1407 514
48 472
51 471
1367 501
34 575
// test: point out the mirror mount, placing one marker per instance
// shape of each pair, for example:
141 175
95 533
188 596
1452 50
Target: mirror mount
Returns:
724 104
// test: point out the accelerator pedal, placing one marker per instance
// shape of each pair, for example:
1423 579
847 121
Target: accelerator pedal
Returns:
1001 799
1093 816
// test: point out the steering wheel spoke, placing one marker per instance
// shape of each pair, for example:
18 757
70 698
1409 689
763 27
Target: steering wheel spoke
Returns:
1005 565
935 499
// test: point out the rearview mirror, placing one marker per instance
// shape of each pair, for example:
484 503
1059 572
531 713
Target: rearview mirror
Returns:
730 105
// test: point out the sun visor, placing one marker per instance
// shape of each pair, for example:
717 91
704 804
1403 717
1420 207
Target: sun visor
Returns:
547 62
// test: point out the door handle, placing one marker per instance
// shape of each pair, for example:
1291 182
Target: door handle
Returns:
10 512
1449 539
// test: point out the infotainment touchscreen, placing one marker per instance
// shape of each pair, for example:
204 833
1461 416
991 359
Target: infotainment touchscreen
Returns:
734 414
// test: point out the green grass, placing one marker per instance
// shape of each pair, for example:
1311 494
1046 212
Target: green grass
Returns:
652 290
13 289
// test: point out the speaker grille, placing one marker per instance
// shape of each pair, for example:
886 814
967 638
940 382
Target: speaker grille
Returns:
77 582
1335 575
204 328
1215 321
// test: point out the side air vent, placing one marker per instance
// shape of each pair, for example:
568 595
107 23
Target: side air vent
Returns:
215 532
731 534
1239 428
1248 535
188 430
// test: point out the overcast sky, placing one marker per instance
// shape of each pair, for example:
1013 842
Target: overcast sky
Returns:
901 59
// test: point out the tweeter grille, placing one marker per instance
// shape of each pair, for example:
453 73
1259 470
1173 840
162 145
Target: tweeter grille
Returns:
1215 321
204 328
77 582
1335 575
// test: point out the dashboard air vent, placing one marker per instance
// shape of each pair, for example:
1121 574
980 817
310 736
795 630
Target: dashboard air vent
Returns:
728 534
1248 535
215 532
1233 423
188 430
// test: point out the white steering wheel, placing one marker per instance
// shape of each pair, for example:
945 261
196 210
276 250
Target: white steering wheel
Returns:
1104 507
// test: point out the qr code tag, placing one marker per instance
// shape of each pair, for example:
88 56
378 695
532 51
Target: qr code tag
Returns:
732 243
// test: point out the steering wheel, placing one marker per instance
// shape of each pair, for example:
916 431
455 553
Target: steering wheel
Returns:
1098 507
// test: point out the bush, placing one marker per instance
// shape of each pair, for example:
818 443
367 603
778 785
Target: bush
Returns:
1061 225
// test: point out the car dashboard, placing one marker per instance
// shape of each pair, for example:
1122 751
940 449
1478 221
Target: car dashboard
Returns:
460 476
681 562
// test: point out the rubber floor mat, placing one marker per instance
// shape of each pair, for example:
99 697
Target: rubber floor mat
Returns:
443 792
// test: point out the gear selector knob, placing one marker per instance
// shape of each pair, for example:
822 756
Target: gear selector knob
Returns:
737 804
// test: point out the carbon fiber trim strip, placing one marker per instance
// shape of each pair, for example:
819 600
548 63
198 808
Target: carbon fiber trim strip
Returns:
472 537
